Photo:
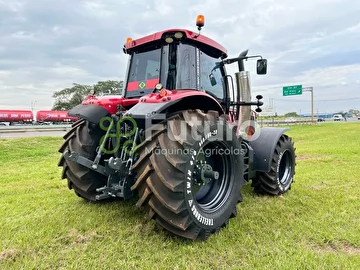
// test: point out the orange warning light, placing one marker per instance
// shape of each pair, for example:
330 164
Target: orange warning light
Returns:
163 92
200 21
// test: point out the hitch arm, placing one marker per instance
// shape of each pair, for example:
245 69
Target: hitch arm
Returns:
75 157
100 151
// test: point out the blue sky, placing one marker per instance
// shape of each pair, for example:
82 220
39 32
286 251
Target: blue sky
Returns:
47 45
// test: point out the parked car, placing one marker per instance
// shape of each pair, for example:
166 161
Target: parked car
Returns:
338 117
321 119
290 120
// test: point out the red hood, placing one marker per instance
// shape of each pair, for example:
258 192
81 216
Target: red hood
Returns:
110 103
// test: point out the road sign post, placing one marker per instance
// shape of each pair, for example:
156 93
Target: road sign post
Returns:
311 89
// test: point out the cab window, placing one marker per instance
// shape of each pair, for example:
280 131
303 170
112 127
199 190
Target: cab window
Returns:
144 72
210 76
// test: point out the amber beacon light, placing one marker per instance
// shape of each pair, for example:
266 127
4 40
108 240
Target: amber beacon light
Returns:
163 93
200 21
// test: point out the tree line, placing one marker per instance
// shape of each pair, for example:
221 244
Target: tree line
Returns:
68 98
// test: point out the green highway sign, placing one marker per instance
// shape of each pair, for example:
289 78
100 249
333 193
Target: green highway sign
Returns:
292 90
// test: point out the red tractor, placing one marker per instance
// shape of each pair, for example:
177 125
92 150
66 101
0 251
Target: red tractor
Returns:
180 137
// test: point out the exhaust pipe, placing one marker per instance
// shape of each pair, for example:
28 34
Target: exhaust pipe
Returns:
243 95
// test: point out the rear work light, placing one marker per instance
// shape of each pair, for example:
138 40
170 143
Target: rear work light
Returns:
169 40
178 35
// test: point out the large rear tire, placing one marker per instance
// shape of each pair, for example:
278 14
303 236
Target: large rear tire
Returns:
281 175
83 138
174 167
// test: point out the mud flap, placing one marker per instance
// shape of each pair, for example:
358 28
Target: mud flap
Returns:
91 113
264 147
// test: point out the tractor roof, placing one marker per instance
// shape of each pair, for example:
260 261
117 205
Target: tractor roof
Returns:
202 41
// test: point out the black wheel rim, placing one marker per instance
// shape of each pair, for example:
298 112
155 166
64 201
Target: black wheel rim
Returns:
212 195
285 167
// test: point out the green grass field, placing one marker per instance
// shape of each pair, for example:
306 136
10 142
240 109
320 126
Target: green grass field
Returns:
316 225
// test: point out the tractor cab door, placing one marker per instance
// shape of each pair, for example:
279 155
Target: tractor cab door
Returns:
179 67
211 76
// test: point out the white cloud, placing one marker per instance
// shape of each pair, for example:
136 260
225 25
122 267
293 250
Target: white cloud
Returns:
13 6
330 76
98 10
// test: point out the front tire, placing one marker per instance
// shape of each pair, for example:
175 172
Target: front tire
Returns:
190 174
281 175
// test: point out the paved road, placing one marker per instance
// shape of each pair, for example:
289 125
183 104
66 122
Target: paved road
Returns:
30 134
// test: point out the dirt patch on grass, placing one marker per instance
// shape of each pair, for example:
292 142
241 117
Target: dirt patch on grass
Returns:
78 238
326 248
319 186
9 254
350 249
342 247
74 237
302 157
311 157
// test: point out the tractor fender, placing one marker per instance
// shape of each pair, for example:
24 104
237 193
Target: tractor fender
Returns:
264 147
162 109
91 113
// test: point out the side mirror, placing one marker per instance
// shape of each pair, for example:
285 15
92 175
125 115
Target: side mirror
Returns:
212 79
261 66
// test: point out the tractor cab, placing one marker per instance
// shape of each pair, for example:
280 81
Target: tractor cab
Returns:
178 59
